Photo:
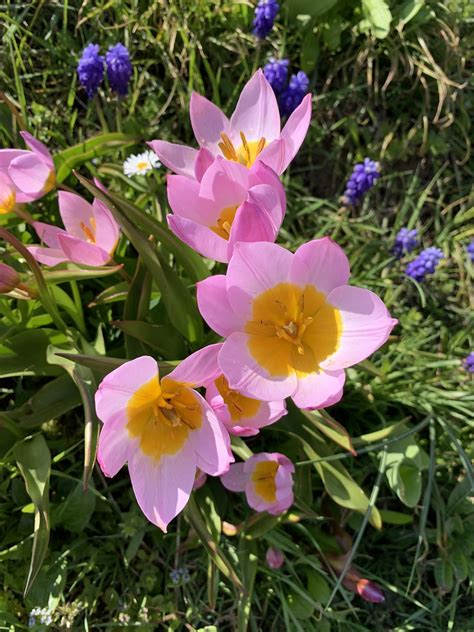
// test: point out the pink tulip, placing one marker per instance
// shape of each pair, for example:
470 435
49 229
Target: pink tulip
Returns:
90 237
253 132
9 278
266 479
30 173
7 194
163 429
200 479
291 322
230 204
274 558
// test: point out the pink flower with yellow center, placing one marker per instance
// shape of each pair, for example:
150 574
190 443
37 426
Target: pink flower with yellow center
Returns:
252 133
230 204
163 429
266 479
30 173
7 195
90 236
291 321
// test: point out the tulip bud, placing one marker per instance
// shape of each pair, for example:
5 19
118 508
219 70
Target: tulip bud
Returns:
369 591
9 278
274 557
229 529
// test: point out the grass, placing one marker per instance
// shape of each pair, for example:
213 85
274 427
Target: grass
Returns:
403 100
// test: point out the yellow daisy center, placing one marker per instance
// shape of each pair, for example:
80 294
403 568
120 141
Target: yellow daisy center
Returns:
246 154
292 329
263 478
239 406
142 165
162 416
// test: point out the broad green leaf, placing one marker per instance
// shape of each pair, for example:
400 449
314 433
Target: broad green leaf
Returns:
300 607
25 353
331 428
318 588
34 462
444 574
406 11
395 517
380 435
162 338
137 307
405 462
378 16
259 524
313 8
47 589
75 512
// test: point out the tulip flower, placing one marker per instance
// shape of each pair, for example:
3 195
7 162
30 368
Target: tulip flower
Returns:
252 133
163 429
90 237
7 195
266 479
291 321
9 278
274 558
30 173
230 204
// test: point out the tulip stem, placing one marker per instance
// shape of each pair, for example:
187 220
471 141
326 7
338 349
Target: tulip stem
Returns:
21 212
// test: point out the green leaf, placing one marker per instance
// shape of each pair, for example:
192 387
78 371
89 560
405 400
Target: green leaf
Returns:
71 272
75 512
395 517
47 589
300 607
331 428
318 588
309 7
103 365
405 462
25 353
34 462
162 338
444 575
248 560
405 12
378 16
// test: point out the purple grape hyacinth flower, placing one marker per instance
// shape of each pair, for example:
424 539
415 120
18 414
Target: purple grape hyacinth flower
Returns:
469 362
295 92
90 69
119 68
265 14
424 264
362 179
405 241
470 250
276 73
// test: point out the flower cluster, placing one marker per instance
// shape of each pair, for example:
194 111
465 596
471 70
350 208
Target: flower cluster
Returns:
289 93
362 179
405 241
469 362
470 250
90 69
426 263
290 323
265 14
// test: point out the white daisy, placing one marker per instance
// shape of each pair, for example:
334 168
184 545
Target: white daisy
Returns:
141 164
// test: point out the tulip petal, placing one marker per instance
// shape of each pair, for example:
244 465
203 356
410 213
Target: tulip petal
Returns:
74 211
29 174
49 234
263 174
252 223
273 156
295 130
366 325
321 263
208 122
214 306
79 251
115 445
199 368
48 256
245 375
162 487
179 158
107 230
202 163
236 478
39 149
225 183
200 238
319 390
184 200
256 113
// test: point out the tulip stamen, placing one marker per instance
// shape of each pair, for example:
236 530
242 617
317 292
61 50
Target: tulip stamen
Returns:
227 148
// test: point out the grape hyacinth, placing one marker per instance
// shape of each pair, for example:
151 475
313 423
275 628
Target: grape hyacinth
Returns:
405 241
295 92
362 179
90 69
119 68
470 250
469 362
276 73
265 14
424 264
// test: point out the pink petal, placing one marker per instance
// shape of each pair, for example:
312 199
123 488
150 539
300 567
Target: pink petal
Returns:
225 183
47 256
255 268
107 230
49 234
7 155
268 197
202 163
29 174
215 307
256 113
179 158
244 374
236 478
251 223
263 174
199 368
79 251
184 200
366 325
74 211
274 155
39 149
162 487
200 238
294 132
211 442
319 389
114 445
321 263
120 385
207 121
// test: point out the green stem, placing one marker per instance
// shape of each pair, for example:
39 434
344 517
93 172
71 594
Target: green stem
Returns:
80 312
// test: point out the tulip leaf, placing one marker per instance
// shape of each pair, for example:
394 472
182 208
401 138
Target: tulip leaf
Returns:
248 560
331 428
25 353
162 338
34 462
112 294
61 274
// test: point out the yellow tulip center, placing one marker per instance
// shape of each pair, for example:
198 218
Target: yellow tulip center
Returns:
50 182
239 406
223 224
162 416
89 231
263 478
292 329
246 154
7 204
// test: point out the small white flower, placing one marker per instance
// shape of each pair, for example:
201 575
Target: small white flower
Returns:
141 164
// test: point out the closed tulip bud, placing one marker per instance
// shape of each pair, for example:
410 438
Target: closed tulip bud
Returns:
275 558
369 591
9 278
